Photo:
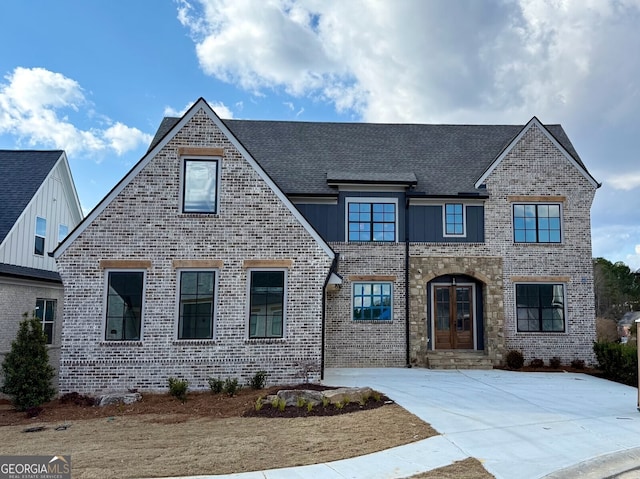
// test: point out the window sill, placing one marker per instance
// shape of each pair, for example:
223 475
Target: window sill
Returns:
121 343
265 341
193 342
372 321
544 333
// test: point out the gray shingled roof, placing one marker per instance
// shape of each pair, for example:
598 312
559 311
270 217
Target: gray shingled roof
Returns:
24 272
22 173
446 159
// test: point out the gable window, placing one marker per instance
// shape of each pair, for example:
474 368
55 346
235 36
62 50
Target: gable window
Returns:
125 290
63 231
540 307
372 301
200 186
196 304
266 304
454 219
46 313
41 233
371 221
536 223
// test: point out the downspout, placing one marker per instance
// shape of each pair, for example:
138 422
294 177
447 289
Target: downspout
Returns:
406 280
332 269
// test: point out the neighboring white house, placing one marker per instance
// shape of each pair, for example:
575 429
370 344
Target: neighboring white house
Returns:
39 206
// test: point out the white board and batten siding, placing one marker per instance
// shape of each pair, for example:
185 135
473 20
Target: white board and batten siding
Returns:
56 201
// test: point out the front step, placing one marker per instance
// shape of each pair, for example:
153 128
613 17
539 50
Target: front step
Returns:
456 359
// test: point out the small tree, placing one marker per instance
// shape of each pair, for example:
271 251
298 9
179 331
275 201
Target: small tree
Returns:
26 368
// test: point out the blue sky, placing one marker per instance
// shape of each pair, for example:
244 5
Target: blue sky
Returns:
95 78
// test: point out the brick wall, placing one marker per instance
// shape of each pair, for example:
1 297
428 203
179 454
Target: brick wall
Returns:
535 167
366 343
144 222
18 297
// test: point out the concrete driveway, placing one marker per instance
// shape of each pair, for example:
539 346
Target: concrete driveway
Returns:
520 425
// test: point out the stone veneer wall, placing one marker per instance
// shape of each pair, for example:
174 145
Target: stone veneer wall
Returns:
351 343
144 223
535 167
19 296
427 263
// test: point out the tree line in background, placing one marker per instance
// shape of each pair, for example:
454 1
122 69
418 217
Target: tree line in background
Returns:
617 289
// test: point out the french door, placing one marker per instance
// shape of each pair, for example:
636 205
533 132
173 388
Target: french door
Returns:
453 307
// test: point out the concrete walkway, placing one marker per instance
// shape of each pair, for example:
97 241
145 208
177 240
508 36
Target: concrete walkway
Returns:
520 425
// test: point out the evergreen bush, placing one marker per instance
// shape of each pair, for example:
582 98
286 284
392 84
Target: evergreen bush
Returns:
617 361
26 368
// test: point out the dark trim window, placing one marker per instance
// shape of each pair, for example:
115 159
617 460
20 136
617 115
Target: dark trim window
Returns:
125 290
63 231
371 221
266 304
454 219
536 223
46 313
41 234
540 307
196 304
372 301
200 186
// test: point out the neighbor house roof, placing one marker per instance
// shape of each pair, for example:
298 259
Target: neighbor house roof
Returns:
22 173
29 273
445 159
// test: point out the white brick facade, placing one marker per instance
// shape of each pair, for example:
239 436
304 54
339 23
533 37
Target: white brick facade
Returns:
144 223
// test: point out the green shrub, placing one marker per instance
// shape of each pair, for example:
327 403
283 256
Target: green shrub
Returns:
577 364
514 359
537 363
617 361
231 386
309 407
27 373
216 385
555 362
258 380
178 388
325 401
300 402
259 403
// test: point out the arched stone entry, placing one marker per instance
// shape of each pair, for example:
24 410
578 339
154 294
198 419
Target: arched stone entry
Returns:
483 276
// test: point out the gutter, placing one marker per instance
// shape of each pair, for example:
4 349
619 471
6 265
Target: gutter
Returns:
332 270
406 281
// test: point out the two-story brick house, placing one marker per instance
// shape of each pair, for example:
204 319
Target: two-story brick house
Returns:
235 246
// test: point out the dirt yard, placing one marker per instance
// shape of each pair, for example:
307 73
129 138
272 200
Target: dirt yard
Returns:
208 434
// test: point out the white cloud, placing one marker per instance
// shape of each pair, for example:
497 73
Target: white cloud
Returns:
35 105
626 182
436 61
220 108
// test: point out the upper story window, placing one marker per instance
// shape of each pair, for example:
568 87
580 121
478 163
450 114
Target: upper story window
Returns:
536 223
200 186
372 301
267 303
454 219
63 231
41 234
371 220
540 307
125 293
46 313
196 304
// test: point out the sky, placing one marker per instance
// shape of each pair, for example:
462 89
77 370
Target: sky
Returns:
95 78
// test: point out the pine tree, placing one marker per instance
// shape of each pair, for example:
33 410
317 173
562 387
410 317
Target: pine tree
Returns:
26 368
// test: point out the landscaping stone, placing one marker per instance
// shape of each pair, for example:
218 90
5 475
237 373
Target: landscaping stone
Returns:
122 398
340 395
